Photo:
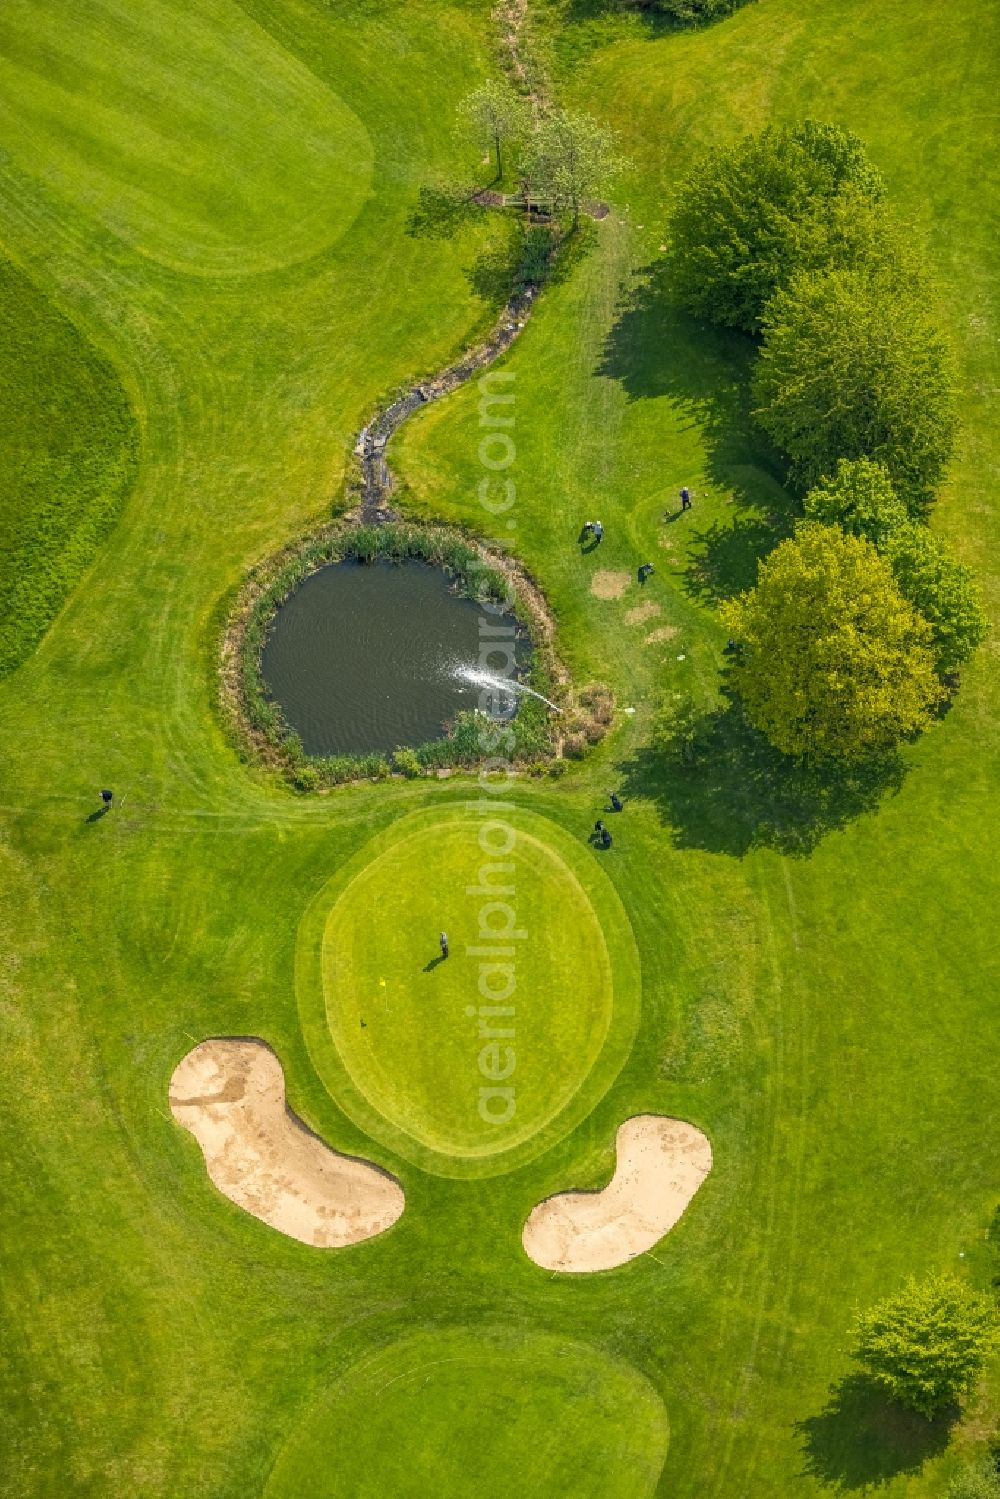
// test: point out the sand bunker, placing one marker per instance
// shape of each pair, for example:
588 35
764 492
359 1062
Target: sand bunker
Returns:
665 632
641 613
608 585
661 1164
231 1096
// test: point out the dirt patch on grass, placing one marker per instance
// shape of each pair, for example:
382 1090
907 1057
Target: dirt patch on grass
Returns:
641 613
231 1096
665 632
609 585
661 1164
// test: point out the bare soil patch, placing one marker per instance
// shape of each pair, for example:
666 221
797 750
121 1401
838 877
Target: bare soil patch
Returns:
231 1096
665 632
642 612
609 585
661 1164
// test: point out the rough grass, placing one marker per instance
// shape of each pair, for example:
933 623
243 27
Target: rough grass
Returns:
67 453
830 1020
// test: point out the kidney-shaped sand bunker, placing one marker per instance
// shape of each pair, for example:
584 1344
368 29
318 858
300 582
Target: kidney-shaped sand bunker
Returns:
661 1164
231 1096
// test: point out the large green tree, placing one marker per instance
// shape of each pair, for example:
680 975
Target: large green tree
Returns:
496 115
753 214
943 589
853 366
833 663
927 1344
861 499
568 158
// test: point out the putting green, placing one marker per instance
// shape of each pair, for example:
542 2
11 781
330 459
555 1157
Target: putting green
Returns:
472 1064
456 1412
220 155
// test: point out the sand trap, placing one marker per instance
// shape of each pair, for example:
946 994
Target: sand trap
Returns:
665 632
641 613
231 1096
661 1164
608 585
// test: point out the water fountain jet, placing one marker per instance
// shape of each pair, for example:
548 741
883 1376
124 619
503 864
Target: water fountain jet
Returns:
477 678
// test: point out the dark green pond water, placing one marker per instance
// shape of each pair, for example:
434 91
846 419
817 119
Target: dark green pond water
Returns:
371 657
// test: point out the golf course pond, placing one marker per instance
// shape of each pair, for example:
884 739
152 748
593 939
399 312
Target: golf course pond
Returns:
373 656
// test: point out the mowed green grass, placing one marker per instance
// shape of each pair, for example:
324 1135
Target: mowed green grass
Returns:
67 453
830 1021
184 129
473 1064
861 980
456 1400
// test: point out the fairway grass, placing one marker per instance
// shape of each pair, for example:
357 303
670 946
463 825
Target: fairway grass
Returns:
472 1064
185 130
486 1416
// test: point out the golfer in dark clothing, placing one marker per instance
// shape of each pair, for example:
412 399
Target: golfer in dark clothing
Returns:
616 801
443 939
605 838
107 797
685 498
645 570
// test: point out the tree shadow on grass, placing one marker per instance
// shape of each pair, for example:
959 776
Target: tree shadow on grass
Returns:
862 1440
656 349
725 789
492 274
646 21
724 559
440 211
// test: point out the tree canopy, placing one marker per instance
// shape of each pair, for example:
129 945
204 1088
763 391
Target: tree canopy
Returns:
496 114
834 664
859 498
943 589
753 214
979 1480
569 157
852 366
927 1344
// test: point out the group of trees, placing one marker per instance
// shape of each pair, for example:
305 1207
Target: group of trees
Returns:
859 621
855 625
863 502
559 157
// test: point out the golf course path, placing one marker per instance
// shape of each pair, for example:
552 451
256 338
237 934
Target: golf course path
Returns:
661 1164
231 1096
